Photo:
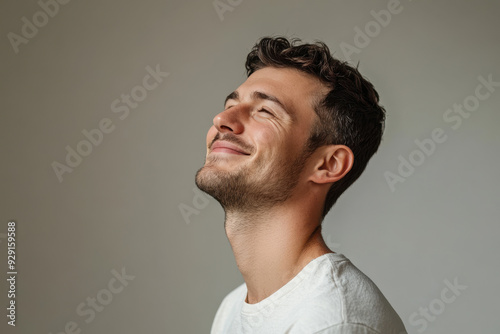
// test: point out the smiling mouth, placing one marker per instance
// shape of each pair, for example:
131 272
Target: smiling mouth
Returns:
223 146
227 150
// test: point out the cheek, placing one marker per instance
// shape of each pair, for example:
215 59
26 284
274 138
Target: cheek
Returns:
270 144
265 137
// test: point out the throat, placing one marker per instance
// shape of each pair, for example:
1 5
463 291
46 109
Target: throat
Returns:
270 255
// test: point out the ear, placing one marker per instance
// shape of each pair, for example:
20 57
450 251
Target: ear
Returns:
332 163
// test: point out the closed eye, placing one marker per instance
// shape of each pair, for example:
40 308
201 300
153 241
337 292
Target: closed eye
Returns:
266 111
260 110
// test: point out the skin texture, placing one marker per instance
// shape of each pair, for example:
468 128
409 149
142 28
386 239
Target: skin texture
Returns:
273 194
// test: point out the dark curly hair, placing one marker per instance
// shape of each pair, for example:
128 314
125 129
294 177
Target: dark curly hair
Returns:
349 114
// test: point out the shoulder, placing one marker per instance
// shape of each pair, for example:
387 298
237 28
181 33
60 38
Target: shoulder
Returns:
354 302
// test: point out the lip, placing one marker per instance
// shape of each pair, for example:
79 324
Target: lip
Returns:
227 147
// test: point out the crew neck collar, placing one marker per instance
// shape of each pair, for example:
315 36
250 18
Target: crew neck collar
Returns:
270 302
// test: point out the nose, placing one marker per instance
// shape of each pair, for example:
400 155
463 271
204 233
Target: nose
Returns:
230 120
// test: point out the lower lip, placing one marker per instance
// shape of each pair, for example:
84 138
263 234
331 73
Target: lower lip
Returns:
226 150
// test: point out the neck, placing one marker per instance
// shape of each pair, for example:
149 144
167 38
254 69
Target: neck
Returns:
273 246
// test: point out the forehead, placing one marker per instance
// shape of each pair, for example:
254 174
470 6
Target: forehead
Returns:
297 91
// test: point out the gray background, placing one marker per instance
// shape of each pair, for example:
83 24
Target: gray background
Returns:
120 207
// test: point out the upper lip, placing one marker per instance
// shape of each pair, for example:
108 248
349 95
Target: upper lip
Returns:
225 144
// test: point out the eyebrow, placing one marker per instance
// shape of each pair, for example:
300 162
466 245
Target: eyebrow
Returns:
257 95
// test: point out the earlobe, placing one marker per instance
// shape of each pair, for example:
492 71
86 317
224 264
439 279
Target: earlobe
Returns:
333 163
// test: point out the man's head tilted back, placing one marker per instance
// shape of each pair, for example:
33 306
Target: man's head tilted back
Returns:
290 140
303 124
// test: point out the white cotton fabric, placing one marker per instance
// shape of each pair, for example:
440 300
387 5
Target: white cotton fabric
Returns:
328 296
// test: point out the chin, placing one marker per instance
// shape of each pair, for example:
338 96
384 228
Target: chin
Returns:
209 179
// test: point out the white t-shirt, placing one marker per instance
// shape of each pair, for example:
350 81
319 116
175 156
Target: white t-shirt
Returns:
328 296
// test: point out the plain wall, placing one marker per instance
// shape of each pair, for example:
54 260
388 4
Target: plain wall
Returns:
120 207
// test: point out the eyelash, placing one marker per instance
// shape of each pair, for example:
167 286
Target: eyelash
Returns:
262 109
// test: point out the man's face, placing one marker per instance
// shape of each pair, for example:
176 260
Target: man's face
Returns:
256 147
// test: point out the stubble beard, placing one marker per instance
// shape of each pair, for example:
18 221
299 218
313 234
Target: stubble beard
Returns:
251 189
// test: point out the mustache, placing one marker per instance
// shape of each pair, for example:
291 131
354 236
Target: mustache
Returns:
229 137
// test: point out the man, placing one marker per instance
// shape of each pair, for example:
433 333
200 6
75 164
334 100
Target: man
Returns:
290 140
